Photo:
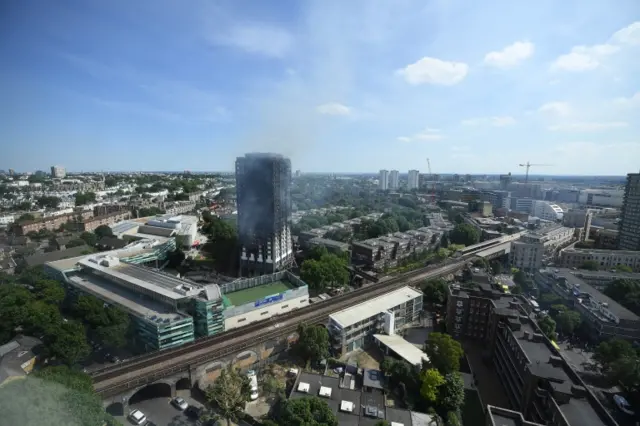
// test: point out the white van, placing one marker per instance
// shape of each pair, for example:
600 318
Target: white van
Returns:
253 381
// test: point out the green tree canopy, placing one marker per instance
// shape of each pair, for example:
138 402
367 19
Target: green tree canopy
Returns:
103 231
444 352
229 393
567 321
465 234
590 265
329 271
610 351
313 342
435 291
626 292
309 411
89 238
83 198
623 268
548 327
451 396
431 381
48 202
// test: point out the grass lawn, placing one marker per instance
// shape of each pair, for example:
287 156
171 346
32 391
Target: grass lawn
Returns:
238 298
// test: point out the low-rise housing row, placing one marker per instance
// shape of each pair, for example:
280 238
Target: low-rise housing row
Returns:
385 251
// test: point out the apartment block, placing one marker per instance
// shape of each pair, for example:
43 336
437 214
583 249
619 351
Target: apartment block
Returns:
91 224
606 259
538 382
531 249
606 317
630 216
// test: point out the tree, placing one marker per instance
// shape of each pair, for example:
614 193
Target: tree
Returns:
610 351
48 202
431 381
626 292
382 423
68 342
520 278
26 217
85 198
313 342
623 268
451 396
75 243
329 271
567 321
435 291
590 265
175 258
90 238
103 231
496 267
444 352
453 418
308 411
548 327
229 393
444 240
465 234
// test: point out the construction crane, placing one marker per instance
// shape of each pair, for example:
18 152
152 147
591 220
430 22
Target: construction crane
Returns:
433 189
528 165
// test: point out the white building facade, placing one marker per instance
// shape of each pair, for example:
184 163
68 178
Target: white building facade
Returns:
394 179
414 179
383 180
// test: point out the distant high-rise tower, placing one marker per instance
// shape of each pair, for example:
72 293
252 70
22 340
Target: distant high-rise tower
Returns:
383 183
629 227
393 179
414 179
58 172
263 190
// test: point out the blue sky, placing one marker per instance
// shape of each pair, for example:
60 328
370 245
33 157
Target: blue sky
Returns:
337 85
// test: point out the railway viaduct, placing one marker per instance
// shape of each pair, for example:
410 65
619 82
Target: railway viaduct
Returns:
199 363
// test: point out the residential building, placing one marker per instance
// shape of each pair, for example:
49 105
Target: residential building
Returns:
353 327
598 279
394 179
413 181
90 224
629 228
522 204
58 172
49 223
263 187
606 239
538 382
505 181
383 180
385 251
606 317
606 259
533 248
498 416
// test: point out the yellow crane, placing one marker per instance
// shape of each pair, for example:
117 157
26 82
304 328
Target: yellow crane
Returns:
528 165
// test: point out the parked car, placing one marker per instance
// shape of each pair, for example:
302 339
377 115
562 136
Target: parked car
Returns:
179 403
623 405
253 382
137 417
192 412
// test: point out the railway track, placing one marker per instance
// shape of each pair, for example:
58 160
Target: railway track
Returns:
148 368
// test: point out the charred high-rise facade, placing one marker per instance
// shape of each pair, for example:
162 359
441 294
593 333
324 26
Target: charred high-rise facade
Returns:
263 187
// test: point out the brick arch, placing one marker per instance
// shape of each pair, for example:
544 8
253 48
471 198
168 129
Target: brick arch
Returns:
115 408
245 359
152 390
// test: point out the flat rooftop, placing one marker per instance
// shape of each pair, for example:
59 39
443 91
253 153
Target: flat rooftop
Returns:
579 284
405 350
373 307
240 297
146 279
128 300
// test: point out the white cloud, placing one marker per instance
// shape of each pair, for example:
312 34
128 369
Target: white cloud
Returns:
511 55
261 39
434 71
427 134
333 108
633 101
498 121
584 58
556 108
628 35
588 126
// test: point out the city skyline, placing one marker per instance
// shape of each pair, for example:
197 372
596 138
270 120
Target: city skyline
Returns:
93 87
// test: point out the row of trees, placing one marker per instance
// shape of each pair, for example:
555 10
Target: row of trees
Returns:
83 198
222 244
32 304
625 292
620 362
436 386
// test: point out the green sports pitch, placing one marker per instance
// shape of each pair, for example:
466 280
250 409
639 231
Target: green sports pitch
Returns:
249 295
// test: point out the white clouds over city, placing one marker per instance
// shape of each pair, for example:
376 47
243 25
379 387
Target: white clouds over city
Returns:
511 55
